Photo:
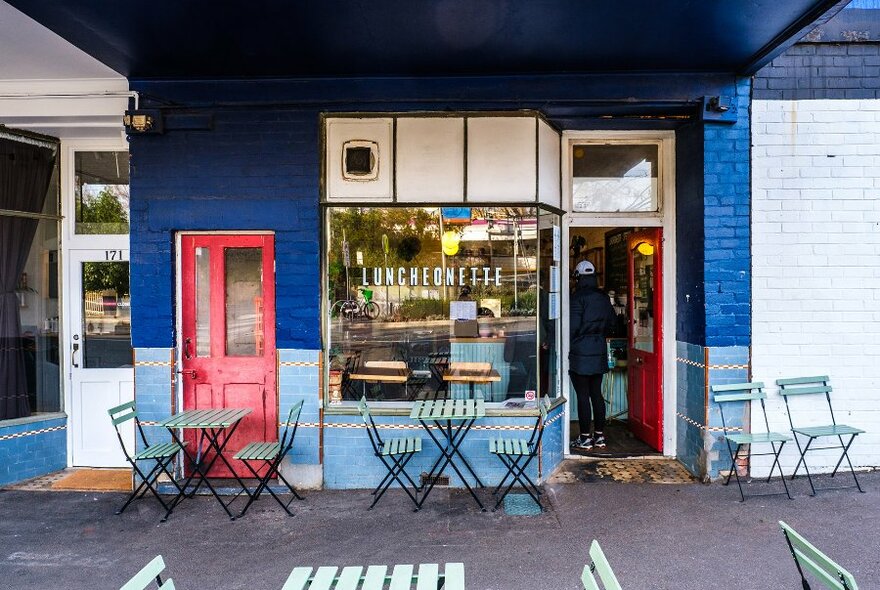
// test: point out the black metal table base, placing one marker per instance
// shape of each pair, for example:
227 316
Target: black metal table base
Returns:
201 468
450 445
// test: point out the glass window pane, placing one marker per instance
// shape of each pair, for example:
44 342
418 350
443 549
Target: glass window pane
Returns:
643 298
244 301
203 302
106 315
550 296
611 178
392 276
101 192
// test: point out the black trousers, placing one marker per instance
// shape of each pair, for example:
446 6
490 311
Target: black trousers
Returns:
590 403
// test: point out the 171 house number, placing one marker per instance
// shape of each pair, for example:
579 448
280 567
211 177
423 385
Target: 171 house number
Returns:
112 254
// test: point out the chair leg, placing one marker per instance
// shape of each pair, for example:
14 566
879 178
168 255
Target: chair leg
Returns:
518 474
144 486
846 454
777 463
735 472
802 457
807 467
394 469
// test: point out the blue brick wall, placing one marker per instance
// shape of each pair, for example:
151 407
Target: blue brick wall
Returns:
691 407
727 224
689 217
153 395
726 365
299 380
255 170
32 449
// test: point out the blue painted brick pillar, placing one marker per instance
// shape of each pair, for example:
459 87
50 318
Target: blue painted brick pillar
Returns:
714 281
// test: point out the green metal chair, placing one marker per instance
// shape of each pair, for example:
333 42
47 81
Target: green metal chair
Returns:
428 576
748 392
791 388
162 453
599 565
394 453
149 573
511 451
810 560
271 455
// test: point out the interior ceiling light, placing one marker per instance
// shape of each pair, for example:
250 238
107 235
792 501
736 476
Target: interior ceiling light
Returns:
645 248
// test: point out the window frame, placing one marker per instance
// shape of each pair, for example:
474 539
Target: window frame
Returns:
663 140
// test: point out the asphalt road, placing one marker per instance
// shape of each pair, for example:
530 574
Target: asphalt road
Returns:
656 537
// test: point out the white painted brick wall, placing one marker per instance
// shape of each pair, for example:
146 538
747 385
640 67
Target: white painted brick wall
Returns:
816 264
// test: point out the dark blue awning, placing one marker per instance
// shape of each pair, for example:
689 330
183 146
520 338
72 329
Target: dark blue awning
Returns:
176 39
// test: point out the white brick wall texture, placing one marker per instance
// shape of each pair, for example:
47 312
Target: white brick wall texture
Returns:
816 265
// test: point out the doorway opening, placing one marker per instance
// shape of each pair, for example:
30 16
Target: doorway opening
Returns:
628 269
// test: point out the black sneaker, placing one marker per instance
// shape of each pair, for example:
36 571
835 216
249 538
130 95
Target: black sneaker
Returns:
583 443
599 441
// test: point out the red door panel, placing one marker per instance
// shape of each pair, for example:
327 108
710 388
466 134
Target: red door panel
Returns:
646 336
228 331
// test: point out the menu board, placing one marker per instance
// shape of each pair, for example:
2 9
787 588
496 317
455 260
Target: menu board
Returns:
616 273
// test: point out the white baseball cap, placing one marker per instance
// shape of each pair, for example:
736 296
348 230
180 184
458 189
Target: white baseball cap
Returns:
585 267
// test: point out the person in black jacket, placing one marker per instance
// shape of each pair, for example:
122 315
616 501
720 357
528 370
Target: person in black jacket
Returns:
592 319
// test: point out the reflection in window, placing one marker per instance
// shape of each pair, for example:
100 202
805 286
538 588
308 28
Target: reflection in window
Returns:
106 315
392 274
244 301
203 302
614 178
29 342
101 193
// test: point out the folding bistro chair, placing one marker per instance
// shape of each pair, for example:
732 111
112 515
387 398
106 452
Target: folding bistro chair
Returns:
599 565
394 453
149 573
162 453
512 451
271 454
810 560
748 392
813 385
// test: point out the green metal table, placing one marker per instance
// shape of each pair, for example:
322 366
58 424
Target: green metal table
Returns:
212 424
377 577
454 418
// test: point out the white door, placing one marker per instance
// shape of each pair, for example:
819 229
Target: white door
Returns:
99 353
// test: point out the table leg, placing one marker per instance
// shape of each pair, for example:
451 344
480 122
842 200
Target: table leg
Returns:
201 468
448 449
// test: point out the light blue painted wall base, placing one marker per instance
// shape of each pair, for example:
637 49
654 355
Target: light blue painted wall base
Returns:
701 446
31 448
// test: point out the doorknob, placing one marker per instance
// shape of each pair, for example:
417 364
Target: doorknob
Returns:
73 354
190 372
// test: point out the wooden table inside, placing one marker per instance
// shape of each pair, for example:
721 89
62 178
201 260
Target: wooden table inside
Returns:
457 375
380 375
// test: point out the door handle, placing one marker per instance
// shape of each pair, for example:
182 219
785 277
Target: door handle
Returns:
73 355
191 372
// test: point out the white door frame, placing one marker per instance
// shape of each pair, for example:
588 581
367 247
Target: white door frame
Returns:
665 219
71 241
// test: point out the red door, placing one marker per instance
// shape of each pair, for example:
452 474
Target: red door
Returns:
645 337
228 331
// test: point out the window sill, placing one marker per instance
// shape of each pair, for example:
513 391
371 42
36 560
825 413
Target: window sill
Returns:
32 419
404 408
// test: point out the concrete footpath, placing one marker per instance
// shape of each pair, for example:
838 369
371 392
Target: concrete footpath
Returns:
679 537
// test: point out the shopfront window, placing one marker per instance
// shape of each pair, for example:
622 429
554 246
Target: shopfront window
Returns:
29 287
433 287
615 178
101 193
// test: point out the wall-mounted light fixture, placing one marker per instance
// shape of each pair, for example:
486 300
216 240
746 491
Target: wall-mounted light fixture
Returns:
142 122
720 109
